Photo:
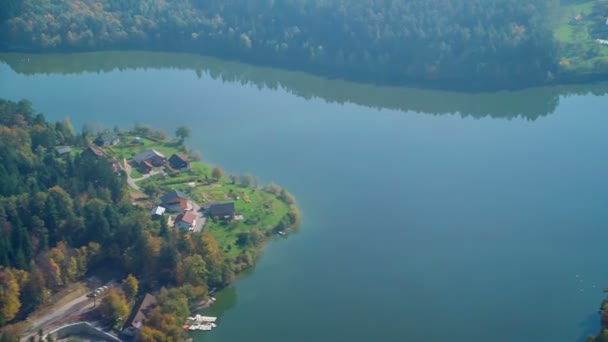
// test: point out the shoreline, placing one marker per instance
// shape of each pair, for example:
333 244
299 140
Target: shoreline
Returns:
563 78
199 182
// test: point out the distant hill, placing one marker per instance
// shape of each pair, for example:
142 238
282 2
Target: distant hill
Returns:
464 44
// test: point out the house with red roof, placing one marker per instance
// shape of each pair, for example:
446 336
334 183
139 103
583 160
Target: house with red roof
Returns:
186 221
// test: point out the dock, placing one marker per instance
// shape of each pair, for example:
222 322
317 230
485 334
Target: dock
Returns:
198 322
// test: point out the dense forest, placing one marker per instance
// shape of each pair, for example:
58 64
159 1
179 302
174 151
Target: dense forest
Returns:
64 217
447 43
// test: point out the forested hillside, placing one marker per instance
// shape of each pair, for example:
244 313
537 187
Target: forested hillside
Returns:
446 43
64 217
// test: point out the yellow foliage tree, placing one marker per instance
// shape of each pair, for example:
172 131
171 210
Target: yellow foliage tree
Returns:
130 286
114 306
9 296
148 334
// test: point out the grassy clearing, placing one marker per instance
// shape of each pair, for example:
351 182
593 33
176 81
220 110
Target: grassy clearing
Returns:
263 212
576 32
572 29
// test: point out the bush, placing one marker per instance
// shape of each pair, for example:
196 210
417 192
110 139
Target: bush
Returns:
273 189
287 197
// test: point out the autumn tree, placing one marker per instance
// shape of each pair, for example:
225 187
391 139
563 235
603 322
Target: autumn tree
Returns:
114 307
219 272
217 173
165 322
9 296
193 271
149 334
35 289
287 197
130 286
196 156
273 189
247 181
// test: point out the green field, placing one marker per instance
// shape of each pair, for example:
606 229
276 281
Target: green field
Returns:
578 25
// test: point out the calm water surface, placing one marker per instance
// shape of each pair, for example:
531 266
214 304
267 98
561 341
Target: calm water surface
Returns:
427 216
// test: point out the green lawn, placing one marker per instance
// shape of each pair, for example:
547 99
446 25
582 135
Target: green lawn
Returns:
135 173
264 211
579 52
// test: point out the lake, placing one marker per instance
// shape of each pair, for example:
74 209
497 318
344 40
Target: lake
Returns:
427 215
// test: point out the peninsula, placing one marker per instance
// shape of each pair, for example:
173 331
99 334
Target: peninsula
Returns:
129 229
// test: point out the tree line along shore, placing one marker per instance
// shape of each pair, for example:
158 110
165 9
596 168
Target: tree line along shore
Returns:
69 213
462 44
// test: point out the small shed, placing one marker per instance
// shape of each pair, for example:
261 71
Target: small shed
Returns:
63 150
157 212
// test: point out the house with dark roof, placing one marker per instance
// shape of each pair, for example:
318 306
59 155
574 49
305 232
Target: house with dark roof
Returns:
223 211
94 151
179 162
176 202
139 315
151 156
106 139
186 221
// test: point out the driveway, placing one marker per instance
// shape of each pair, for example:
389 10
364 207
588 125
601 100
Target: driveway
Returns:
200 220
132 181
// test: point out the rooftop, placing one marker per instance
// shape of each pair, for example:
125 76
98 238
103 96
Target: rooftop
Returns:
222 209
180 157
189 217
143 311
158 211
63 149
146 155
173 195
96 151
